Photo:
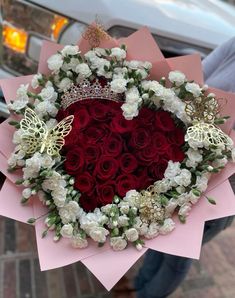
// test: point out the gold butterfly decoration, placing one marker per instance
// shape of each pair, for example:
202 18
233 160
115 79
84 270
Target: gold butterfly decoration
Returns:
37 137
204 109
208 133
95 33
203 112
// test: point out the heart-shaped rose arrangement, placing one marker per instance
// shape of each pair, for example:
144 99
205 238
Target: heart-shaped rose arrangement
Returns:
109 155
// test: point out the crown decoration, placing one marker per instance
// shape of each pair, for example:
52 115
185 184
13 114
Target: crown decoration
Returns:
87 90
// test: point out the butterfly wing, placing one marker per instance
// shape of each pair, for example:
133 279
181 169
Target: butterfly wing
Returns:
217 137
196 133
55 139
34 131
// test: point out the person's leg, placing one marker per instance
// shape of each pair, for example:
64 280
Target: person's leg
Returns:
152 262
169 275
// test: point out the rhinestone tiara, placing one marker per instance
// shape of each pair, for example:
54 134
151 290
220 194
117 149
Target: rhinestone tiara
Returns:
87 90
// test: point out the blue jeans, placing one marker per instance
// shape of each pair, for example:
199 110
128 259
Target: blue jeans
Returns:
162 273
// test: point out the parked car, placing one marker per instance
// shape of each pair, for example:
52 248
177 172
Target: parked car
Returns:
179 26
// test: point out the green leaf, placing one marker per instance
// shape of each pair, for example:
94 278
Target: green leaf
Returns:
211 200
31 220
182 219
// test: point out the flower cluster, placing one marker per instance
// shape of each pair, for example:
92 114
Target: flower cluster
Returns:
126 167
109 155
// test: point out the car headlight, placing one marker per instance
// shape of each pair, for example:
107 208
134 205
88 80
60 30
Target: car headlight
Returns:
23 36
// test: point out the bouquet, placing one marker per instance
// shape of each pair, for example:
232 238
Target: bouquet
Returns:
110 147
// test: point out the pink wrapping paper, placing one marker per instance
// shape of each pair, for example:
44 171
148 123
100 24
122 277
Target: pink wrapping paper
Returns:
10 206
102 261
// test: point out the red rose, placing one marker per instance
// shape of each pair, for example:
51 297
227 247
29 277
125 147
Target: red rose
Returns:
128 163
85 183
163 121
91 153
148 155
88 203
126 183
106 193
74 162
176 136
94 133
146 117
175 153
157 169
120 125
113 145
140 138
144 180
106 168
160 142
100 110
81 118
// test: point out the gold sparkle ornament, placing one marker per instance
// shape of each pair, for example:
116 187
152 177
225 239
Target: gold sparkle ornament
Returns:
95 33
37 137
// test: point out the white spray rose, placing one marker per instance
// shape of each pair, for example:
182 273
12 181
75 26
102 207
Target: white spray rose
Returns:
79 242
176 77
118 85
55 62
193 88
118 243
99 234
70 50
132 234
167 227
67 231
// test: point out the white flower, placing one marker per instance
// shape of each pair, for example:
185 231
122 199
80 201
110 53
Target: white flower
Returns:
172 170
106 209
118 85
67 231
183 199
162 186
22 98
176 77
79 242
44 108
131 197
170 207
167 226
123 221
153 231
221 162
147 65
133 64
194 157
185 209
41 195
70 212
124 207
118 53
55 62
70 50
83 71
71 65
143 73
201 182
35 80
47 162
184 178
51 123
59 196
118 243
99 234
193 88
64 84
133 96
130 110
26 193
48 93
193 198
141 227
132 234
